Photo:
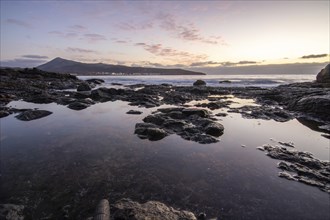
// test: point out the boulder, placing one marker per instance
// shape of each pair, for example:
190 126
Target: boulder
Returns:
134 112
318 105
214 129
84 87
126 209
149 131
95 81
324 75
199 82
32 115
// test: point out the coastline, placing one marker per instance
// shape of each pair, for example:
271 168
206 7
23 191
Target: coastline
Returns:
280 103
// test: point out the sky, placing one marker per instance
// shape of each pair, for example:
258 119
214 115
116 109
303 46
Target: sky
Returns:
185 34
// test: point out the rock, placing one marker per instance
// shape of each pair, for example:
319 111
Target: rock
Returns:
195 111
11 212
318 106
84 87
4 113
126 209
199 82
78 105
189 123
134 112
214 129
95 81
221 114
224 81
307 168
149 131
32 115
324 75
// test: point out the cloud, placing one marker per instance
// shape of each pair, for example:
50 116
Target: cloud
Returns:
121 41
79 50
186 32
34 57
78 27
170 53
18 23
159 65
314 56
131 26
94 37
68 35
238 63
206 63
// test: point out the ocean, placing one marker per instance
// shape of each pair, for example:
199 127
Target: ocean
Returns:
211 80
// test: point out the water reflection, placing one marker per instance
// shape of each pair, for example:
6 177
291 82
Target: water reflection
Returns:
77 157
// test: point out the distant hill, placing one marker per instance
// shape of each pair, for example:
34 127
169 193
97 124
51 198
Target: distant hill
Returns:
68 66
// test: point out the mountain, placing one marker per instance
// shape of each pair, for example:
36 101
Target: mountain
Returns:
68 66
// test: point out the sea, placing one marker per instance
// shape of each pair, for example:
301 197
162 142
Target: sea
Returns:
60 166
211 80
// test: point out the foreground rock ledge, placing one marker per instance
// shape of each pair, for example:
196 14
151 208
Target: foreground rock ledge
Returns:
300 166
126 209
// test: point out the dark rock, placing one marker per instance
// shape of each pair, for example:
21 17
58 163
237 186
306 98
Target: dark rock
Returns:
225 81
84 87
11 212
116 84
126 209
214 129
78 105
134 112
156 119
149 131
324 75
4 113
194 111
199 82
316 105
32 115
307 168
95 81
221 114
190 124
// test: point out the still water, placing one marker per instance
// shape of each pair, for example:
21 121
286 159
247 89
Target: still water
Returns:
72 159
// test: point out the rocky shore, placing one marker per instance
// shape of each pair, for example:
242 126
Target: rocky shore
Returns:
189 116
309 101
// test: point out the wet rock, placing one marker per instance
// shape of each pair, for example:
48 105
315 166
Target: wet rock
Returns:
95 81
224 81
4 113
199 82
318 105
214 105
84 87
116 84
214 129
149 131
11 212
264 112
287 144
126 209
81 104
306 168
195 111
134 112
324 75
221 114
32 115
189 123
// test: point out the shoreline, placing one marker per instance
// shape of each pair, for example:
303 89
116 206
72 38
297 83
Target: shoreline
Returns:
273 104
